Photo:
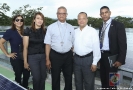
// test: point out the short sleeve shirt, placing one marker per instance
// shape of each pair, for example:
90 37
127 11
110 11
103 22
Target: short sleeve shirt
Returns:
36 45
14 39
58 33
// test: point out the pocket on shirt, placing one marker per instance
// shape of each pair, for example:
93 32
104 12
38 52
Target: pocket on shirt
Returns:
56 36
70 37
87 41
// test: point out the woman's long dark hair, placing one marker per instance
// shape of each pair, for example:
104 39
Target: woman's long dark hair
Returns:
33 23
13 27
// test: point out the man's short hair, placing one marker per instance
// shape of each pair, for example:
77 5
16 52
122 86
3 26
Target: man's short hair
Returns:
83 13
104 7
62 7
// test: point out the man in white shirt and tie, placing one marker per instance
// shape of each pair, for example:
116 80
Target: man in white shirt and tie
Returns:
59 56
87 54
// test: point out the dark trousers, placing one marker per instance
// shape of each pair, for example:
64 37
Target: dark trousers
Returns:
18 67
61 62
105 70
83 74
37 63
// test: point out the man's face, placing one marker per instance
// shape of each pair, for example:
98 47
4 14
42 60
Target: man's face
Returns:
82 20
61 15
105 14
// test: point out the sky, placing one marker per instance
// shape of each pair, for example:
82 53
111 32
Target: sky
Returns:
91 7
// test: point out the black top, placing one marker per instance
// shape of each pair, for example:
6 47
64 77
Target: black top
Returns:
14 39
36 41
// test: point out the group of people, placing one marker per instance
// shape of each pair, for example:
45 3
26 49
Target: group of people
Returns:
27 50
63 49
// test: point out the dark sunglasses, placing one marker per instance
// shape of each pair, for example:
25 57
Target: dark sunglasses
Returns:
21 20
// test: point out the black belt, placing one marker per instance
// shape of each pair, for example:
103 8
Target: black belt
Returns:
60 53
87 55
36 53
105 51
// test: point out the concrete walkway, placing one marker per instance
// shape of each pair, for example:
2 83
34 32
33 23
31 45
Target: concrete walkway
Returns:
6 70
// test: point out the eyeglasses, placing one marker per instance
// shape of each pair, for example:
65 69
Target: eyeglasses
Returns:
21 20
61 13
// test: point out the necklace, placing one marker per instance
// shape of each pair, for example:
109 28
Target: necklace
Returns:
62 37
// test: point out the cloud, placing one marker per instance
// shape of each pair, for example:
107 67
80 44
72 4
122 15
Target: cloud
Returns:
91 7
122 11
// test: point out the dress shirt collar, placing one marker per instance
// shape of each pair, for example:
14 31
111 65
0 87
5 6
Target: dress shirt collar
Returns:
109 21
83 28
61 22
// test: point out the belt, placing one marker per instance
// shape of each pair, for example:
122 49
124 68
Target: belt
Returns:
36 53
87 55
59 52
105 51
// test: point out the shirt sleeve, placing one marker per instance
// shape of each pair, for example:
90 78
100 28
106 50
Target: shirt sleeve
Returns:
7 35
26 32
47 39
96 48
73 33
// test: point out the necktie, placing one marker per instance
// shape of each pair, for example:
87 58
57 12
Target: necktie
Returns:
102 35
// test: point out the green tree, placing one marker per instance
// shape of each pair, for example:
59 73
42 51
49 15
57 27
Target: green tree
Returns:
48 21
27 13
4 19
73 22
128 22
4 8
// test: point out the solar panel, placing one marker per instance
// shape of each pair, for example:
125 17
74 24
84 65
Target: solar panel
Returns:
6 84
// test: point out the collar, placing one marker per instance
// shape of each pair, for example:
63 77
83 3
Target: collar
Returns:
109 21
61 22
83 28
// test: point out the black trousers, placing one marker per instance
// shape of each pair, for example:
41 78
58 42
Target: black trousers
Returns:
64 63
18 67
37 63
105 71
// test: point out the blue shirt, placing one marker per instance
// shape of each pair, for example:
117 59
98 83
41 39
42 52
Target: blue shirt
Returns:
60 36
14 39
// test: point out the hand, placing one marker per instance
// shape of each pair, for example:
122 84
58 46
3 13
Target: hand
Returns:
26 66
48 64
98 64
72 49
93 68
117 64
12 55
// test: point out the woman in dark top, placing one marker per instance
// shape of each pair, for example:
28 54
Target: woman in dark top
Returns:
34 50
14 36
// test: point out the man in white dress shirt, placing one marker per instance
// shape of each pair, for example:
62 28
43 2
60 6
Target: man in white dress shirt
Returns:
87 54
59 57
